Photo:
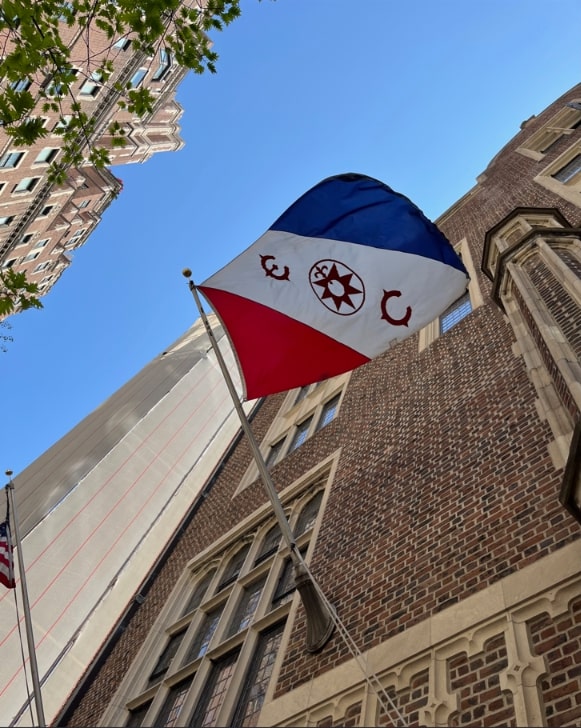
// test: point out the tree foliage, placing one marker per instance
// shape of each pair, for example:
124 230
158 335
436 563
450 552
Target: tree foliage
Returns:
37 70
16 293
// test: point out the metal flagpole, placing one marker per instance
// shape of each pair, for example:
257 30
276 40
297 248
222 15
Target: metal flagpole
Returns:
320 623
26 607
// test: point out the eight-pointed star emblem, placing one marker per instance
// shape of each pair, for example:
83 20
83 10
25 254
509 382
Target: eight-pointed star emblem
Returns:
338 287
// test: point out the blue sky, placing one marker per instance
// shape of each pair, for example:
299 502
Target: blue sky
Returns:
420 94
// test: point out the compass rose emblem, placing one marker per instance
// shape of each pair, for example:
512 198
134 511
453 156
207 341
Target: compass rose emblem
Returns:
337 287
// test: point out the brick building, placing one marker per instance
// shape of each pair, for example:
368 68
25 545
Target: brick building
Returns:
41 223
435 493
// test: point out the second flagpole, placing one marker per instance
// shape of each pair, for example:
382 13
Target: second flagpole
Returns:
320 622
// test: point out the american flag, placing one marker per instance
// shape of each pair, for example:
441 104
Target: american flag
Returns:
6 557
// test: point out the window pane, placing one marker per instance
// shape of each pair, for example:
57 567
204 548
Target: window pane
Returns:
138 77
259 674
233 569
328 412
270 544
137 715
308 515
246 608
455 313
204 636
274 453
166 657
569 171
286 583
214 692
300 434
173 705
302 393
199 593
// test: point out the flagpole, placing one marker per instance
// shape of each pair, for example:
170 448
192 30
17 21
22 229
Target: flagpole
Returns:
26 608
320 623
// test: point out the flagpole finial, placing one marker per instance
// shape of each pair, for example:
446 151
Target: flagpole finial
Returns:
8 472
187 273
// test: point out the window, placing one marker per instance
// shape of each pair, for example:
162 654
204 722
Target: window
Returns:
41 243
300 435
9 263
46 155
232 638
204 636
4 221
269 545
455 313
10 160
164 65
302 393
274 452
308 515
122 44
21 85
258 677
138 77
246 608
64 121
570 170
174 703
137 715
31 256
166 657
27 184
25 239
561 125
92 85
42 266
46 211
233 569
83 204
199 593
328 412
214 691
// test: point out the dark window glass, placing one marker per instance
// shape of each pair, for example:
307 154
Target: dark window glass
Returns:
308 515
455 313
258 677
137 715
246 608
199 593
214 691
300 434
328 412
269 545
204 636
171 709
233 569
166 657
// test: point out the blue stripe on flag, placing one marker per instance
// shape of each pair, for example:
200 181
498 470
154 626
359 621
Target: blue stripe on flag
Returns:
354 208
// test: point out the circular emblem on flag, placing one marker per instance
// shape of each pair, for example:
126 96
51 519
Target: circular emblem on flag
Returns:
337 287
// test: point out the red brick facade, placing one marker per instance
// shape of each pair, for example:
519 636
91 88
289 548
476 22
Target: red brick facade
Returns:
445 486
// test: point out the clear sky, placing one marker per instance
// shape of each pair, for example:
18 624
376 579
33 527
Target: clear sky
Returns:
418 93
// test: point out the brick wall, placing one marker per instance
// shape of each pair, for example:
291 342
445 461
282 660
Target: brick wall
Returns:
558 640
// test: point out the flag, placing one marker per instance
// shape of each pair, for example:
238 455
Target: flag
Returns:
6 557
350 268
